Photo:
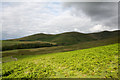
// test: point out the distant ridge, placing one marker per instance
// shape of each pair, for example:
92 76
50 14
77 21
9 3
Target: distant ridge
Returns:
69 38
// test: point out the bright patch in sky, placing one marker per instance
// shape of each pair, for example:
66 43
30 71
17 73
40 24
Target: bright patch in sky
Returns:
98 27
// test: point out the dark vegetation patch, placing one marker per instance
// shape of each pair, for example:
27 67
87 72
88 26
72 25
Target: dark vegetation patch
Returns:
26 45
7 73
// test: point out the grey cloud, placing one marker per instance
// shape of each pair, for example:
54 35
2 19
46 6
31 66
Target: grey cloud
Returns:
104 13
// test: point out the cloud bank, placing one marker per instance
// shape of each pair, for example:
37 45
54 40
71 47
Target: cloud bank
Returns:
25 18
105 13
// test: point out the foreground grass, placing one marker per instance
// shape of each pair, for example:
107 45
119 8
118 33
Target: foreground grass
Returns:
99 62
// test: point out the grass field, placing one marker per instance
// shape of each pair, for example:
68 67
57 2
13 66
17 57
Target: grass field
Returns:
54 49
12 45
98 62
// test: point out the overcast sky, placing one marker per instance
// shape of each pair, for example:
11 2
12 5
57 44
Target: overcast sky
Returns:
26 18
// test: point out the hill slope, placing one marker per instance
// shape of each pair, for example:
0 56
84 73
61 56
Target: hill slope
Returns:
99 62
105 34
12 45
54 49
69 38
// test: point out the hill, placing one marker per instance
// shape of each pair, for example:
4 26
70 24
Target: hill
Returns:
99 62
70 38
105 34
54 49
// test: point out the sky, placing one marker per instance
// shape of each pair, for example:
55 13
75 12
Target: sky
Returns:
21 19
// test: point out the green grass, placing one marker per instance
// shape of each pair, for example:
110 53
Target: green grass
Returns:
46 50
67 38
70 38
12 45
63 39
6 43
99 62
9 43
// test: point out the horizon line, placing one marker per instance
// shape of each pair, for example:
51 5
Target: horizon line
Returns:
63 33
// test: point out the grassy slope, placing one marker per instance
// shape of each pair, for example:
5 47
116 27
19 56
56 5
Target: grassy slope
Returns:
9 43
69 38
45 50
15 44
99 62
37 37
61 39
105 34
72 38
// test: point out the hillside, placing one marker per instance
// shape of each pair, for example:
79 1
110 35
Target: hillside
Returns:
54 49
99 62
12 45
70 38
105 34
